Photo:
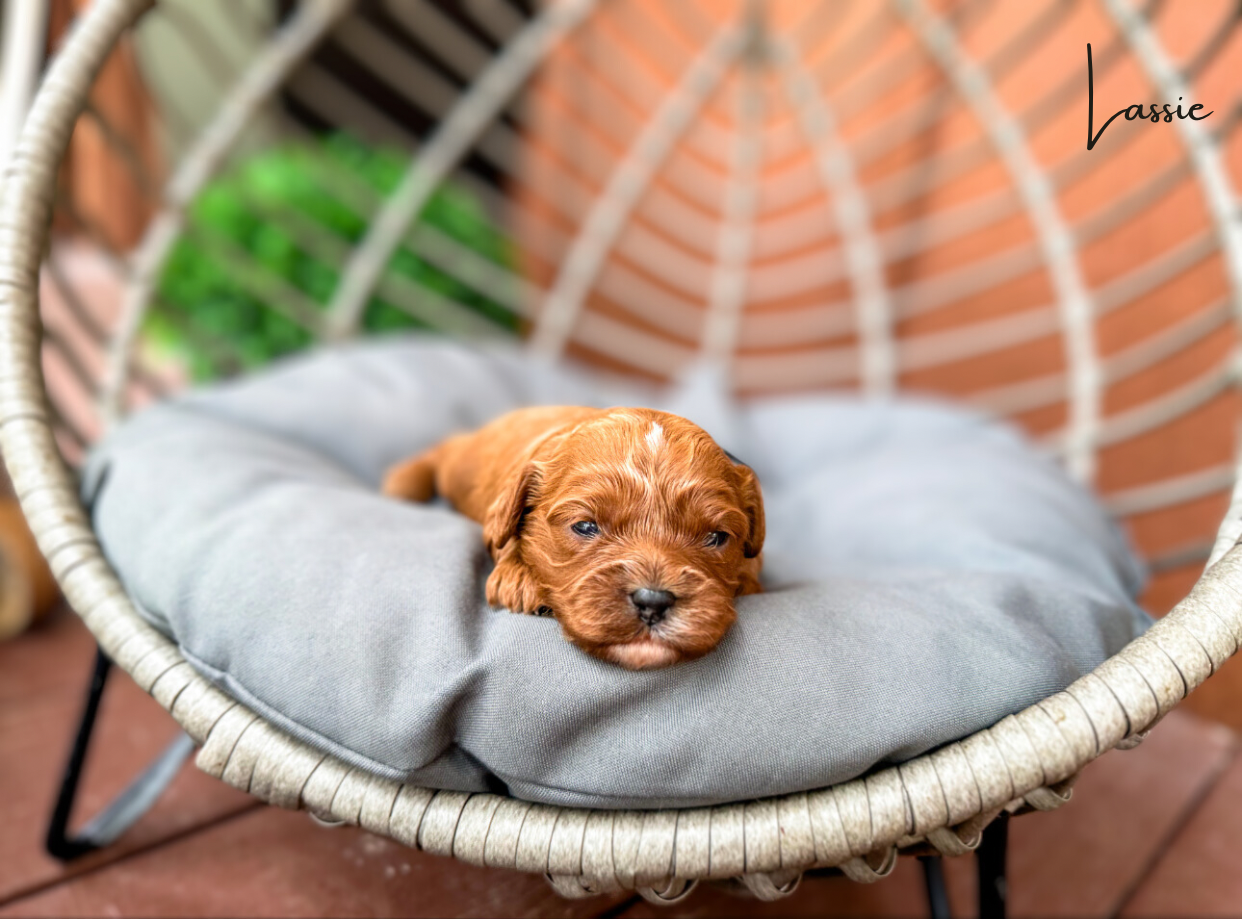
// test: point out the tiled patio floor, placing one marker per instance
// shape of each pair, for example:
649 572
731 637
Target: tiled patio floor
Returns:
1152 832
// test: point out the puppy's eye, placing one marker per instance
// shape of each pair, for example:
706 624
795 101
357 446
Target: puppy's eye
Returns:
586 528
717 539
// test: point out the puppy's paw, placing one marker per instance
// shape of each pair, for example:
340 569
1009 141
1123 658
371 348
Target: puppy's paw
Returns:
512 587
412 480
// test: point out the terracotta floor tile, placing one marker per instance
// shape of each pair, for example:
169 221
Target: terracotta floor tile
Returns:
35 734
45 659
1220 698
1199 873
899 896
271 862
1083 859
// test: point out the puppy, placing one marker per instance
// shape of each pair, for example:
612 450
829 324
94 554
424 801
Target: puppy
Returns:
630 526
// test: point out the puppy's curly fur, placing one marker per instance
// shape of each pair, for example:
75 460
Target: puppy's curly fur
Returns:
582 508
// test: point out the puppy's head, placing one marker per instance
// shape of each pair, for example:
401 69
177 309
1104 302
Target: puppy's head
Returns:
638 531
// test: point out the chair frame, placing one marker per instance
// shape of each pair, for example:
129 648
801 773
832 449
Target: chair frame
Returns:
141 794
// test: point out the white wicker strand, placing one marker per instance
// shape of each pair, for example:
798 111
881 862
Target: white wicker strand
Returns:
889 802
894 191
497 17
596 235
1172 491
665 210
692 850
775 885
861 251
884 137
1168 406
321 93
438 32
378 803
761 837
727 855
32 458
1056 242
663 309
668 892
1038 392
1218 192
654 858
921 297
422 85
797 839
1202 148
602 71
201 162
434 309
734 238
626 837
472 828
701 188
691 183
439 824
346 804
320 789
454 135
834 365
216 748
169 686
924 795
23 35
498 282
406 818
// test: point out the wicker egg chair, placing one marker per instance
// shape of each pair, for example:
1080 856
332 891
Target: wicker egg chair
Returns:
808 195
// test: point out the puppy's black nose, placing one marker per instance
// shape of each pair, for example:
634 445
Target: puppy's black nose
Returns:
652 605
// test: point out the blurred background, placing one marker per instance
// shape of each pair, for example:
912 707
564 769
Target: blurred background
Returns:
808 195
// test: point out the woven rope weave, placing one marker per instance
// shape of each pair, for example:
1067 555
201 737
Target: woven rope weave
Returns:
943 799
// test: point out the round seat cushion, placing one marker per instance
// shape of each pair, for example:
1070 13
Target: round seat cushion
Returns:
927 573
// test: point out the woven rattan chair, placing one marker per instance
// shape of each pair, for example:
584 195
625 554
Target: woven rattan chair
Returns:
808 195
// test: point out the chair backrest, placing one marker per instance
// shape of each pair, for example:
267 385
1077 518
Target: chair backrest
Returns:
810 195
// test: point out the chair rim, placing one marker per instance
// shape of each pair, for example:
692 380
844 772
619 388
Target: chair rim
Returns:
943 798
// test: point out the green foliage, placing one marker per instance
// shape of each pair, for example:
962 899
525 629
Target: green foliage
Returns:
246 248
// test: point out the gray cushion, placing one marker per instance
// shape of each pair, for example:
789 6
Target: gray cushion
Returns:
927 574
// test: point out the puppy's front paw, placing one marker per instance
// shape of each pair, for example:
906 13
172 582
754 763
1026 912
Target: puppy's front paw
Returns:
512 587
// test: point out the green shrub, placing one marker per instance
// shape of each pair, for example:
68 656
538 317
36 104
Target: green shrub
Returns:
241 253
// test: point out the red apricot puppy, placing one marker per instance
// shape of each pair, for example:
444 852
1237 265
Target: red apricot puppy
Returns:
631 526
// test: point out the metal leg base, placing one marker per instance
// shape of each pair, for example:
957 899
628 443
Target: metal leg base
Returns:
134 801
990 860
937 895
990 856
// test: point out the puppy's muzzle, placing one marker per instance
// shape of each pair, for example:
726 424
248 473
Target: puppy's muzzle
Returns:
652 606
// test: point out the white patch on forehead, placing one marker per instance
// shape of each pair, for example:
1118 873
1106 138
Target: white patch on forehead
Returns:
630 468
655 437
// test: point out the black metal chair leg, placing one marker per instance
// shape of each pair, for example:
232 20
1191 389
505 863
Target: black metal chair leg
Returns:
134 801
991 856
937 894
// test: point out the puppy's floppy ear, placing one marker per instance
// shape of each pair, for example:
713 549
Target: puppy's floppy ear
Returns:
504 517
752 504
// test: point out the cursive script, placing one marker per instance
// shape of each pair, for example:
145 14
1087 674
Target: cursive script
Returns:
1154 113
